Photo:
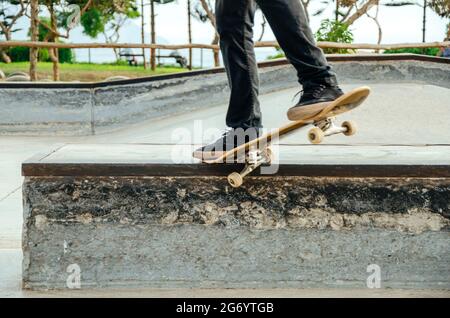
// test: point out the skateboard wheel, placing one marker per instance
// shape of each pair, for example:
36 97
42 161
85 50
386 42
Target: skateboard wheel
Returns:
235 180
269 155
351 128
316 135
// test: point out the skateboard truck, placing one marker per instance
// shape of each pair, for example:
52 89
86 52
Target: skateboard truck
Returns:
327 127
323 123
253 160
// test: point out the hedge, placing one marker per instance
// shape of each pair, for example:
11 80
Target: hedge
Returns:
22 54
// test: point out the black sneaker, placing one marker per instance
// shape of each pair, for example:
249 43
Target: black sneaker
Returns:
230 139
313 100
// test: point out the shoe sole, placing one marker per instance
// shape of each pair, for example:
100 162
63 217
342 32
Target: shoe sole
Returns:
305 112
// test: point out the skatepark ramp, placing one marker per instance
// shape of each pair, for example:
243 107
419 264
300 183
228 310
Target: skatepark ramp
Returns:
80 109
132 209
122 215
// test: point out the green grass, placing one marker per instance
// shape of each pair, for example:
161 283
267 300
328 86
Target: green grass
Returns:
428 51
86 72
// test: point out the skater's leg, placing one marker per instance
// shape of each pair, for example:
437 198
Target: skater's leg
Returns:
290 25
235 19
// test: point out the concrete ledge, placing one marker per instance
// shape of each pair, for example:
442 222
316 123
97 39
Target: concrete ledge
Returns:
91 108
193 230
428 161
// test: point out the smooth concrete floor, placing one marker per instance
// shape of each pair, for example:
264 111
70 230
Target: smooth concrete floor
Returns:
405 114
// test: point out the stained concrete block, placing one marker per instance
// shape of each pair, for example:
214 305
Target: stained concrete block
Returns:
198 232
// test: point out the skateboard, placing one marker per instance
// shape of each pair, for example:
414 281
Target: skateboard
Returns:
257 152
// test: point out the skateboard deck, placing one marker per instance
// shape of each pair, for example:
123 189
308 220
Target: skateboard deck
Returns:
324 126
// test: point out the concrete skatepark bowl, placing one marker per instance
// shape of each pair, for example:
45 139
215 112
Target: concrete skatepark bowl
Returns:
114 194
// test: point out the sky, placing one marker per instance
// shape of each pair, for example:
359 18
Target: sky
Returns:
402 24
399 24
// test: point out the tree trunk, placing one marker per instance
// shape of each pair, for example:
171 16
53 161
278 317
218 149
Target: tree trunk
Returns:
117 54
216 52
361 11
4 56
34 7
380 30
424 22
215 41
143 34
263 28
337 11
54 53
7 31
189 32
153 33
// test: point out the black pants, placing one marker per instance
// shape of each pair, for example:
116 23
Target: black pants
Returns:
287 18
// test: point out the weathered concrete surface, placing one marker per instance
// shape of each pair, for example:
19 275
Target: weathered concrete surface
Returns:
79 110
199 256
394 72
411 205
34 110
282 232
11 281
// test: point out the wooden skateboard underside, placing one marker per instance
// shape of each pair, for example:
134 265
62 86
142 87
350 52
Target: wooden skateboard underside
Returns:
345 103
